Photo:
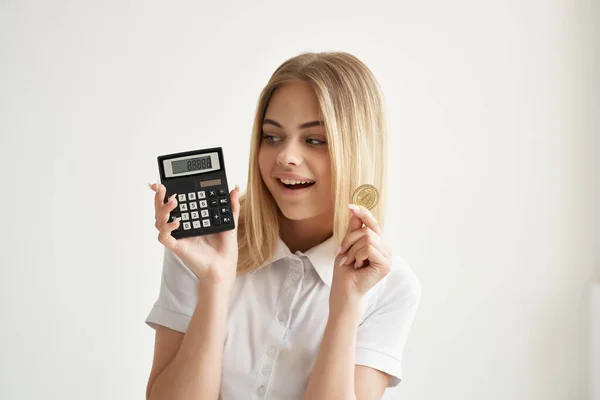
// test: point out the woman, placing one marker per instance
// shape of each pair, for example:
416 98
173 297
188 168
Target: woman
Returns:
303 299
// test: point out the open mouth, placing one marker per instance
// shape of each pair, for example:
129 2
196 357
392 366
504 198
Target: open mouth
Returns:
295 185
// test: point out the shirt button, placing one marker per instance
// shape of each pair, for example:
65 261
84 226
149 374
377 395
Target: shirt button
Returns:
271 351
266 370
295 276
261 391
282 317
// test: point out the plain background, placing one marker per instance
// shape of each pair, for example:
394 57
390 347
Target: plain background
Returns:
494 115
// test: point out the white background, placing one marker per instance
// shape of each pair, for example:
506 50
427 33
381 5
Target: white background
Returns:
494 114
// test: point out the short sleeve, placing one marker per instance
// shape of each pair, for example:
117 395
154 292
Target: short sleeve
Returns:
178 295
382 334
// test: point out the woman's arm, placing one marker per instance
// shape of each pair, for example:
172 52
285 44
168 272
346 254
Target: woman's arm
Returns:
332 376
335 375
361 261
195 369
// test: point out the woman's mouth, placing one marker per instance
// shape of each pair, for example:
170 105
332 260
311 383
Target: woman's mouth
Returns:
292 187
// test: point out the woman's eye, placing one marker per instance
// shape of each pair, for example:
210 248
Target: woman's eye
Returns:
315 142
270 138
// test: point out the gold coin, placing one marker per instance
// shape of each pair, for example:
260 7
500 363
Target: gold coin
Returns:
366 196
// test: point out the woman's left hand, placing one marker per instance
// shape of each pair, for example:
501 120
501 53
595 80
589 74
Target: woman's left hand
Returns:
362 259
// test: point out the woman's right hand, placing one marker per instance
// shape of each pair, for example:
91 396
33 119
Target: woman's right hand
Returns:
213 258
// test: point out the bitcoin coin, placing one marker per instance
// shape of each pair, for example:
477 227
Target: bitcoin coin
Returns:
366 196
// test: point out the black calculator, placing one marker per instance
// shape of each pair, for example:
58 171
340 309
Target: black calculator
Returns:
198 177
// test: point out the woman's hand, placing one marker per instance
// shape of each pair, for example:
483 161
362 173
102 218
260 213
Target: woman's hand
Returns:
213 258
362 259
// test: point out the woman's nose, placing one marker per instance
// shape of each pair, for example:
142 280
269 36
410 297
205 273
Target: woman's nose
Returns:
290 154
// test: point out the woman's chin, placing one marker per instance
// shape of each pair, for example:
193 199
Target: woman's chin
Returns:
300 213
296 213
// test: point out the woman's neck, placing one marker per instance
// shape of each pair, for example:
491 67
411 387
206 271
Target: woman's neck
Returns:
305 234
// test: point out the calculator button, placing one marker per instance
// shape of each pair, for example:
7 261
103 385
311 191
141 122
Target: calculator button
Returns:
193 205
214 203
214 211
203 204
223 200
195 215
183 207
181 197
187 226
224 210
226 220
206 222
185 216
216 219
192 196
204 213
196 224
201 194
222 192
212 192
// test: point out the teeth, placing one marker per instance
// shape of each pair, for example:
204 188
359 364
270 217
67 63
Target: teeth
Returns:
294 182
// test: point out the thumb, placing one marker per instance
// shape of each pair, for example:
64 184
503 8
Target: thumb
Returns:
354 224
234 195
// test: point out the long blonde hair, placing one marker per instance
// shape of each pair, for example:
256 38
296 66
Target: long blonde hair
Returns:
353 110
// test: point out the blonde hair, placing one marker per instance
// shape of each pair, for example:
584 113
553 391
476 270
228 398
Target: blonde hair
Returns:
354 115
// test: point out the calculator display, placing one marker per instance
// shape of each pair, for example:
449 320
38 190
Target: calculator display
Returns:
191 165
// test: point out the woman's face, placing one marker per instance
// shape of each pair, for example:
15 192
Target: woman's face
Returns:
293 149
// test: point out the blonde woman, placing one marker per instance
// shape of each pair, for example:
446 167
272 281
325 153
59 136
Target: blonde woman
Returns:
303 300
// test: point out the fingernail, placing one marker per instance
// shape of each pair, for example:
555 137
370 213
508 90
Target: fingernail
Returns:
150 186
337 251
343 260
171 197
354 207
237 187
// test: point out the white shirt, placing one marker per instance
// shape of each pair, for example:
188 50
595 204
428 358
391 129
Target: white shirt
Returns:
277 316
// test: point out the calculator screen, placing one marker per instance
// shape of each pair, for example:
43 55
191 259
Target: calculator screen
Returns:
191 165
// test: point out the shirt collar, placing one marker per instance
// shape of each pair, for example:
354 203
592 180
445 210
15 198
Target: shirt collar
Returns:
321 257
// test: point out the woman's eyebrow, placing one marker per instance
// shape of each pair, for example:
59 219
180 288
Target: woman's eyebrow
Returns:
305 125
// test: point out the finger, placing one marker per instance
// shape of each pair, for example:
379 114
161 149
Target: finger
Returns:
370 253
164 236
154 188
158 197
351 238
355 236
354 224
370 238
162 217
366 217
351 253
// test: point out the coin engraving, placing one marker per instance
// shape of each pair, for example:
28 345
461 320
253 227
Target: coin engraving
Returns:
366 196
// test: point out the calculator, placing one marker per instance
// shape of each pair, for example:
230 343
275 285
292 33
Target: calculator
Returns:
198 177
